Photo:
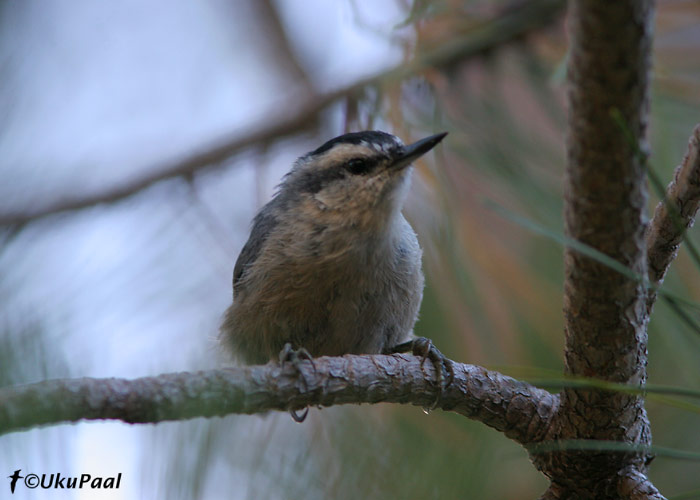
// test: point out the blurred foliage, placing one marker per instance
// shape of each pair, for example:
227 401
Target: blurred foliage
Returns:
28 354
494 289
494 292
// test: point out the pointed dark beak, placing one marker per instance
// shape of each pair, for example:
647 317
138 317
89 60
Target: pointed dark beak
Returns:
411 152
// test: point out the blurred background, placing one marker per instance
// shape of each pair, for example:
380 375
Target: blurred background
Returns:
170 124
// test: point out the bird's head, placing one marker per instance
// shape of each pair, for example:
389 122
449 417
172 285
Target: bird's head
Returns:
358 179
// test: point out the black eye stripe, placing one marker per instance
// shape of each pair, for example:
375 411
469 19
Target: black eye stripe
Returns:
360 166
315 180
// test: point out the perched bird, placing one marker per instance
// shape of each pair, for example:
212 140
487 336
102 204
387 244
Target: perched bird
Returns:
331 265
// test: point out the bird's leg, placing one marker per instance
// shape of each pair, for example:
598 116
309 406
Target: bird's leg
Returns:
423 347
295 357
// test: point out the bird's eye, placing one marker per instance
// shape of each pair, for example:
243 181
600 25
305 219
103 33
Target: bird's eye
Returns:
358 166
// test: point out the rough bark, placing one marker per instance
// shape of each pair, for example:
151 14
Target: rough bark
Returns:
515 408
674 215
605 200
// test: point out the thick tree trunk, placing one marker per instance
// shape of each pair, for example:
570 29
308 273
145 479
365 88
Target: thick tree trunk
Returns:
605 206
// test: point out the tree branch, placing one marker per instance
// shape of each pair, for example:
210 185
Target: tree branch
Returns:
519 410
605 204
636 486
633 485
674 215
511 25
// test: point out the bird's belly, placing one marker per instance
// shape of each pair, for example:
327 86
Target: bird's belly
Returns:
360 314
330 308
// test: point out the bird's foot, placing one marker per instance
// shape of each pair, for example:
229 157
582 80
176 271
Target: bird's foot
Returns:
423 347
295 357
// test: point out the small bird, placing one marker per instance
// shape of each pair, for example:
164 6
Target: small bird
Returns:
331 265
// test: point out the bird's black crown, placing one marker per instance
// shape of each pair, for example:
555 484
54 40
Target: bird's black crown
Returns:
374 139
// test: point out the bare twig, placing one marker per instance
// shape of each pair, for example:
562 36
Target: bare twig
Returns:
673 215
516 408
504 29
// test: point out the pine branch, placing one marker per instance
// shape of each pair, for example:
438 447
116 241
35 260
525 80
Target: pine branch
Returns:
605 201
674 215
519 410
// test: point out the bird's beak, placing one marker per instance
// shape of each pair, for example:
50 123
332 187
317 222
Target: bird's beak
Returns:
409 153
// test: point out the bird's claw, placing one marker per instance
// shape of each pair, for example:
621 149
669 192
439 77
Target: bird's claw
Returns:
295 357
424 347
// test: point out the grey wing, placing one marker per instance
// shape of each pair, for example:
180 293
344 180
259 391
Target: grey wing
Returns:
263 224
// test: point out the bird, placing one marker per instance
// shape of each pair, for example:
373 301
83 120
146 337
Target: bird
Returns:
331 266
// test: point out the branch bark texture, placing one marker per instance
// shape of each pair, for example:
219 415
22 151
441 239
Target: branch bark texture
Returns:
519 410
674 215
605 201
